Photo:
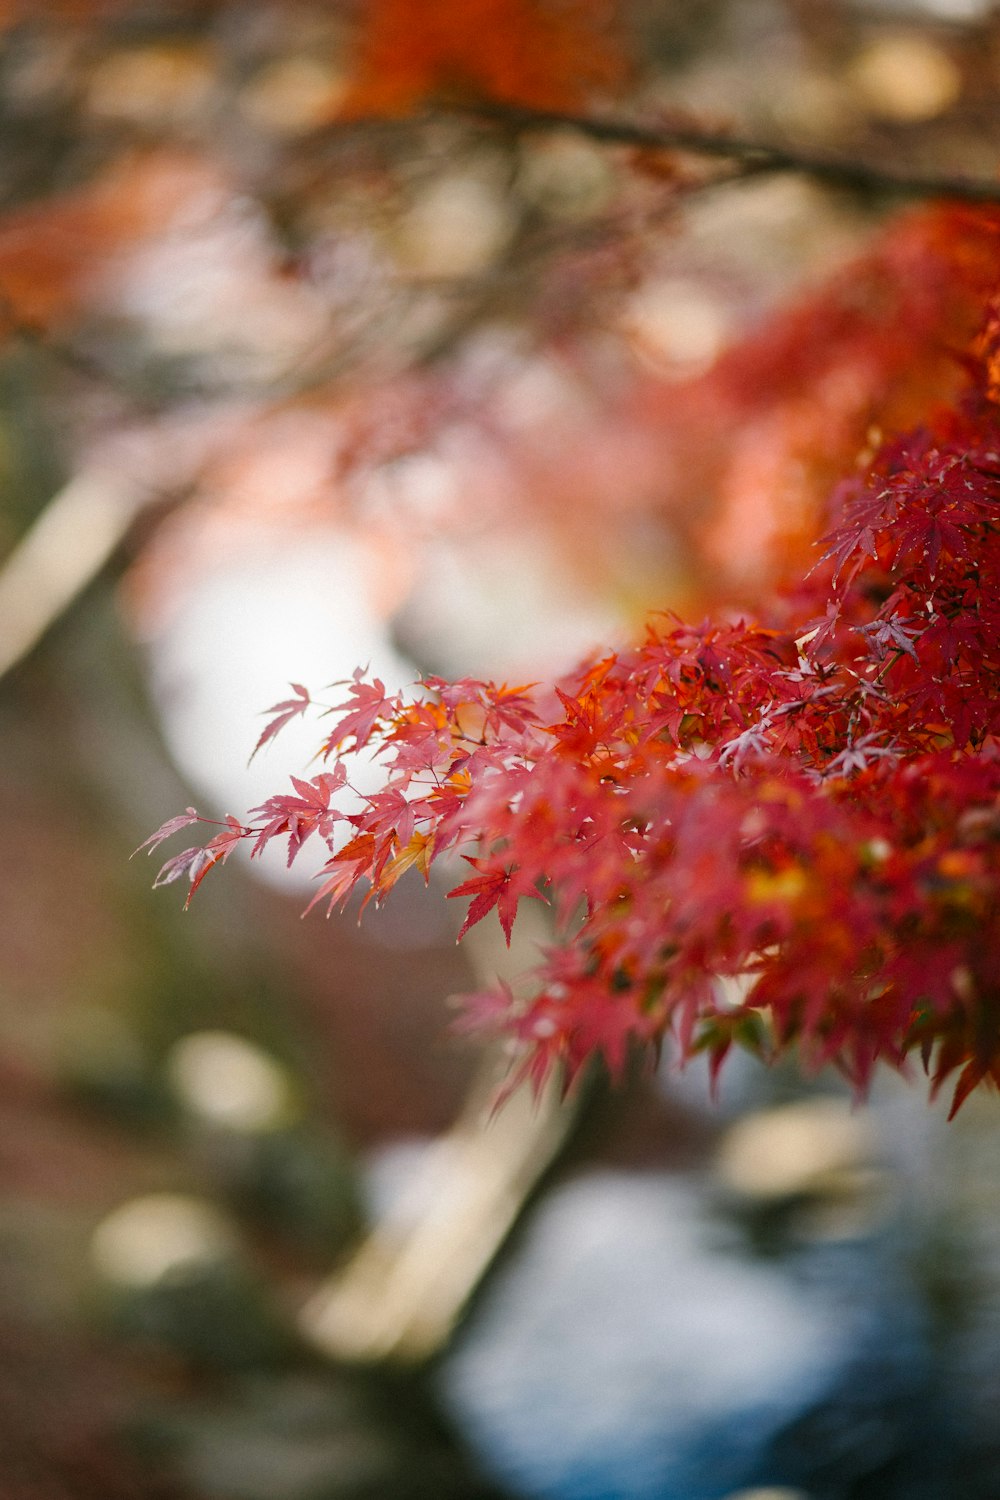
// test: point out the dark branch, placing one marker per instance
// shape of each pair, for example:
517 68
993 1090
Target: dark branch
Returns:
757 157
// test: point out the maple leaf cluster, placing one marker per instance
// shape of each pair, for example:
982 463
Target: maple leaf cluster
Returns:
768 832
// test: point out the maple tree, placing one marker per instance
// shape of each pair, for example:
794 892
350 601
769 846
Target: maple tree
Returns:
775 829
409 279
805 804
794 806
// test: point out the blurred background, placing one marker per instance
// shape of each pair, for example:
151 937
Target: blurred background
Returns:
306 366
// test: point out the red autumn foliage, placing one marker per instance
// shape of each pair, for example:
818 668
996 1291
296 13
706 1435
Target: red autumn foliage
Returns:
802 810
799 399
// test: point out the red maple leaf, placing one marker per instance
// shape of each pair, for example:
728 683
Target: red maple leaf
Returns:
194 864
494 887
301 815
168 829
285 712
367 705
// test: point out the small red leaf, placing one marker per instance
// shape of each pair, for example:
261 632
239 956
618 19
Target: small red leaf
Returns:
168 829
367 704
285 712
194 864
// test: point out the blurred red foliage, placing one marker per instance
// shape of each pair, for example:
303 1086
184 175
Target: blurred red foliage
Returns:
529 52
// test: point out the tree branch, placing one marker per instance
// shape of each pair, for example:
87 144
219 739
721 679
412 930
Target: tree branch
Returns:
758 157
62 553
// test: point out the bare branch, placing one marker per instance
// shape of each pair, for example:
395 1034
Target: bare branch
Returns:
401 1293
63 552
758 157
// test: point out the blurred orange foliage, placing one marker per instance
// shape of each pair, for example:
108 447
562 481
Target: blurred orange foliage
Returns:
530 52
56 252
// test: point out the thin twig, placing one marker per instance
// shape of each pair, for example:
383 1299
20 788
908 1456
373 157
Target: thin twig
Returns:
760 157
